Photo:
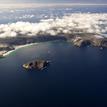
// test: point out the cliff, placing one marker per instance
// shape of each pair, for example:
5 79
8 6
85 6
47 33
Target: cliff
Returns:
79 40
93 40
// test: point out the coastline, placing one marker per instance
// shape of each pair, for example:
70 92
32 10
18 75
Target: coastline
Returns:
16 48
76 40
6 53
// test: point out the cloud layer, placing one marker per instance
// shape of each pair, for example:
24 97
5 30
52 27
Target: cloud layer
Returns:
74 23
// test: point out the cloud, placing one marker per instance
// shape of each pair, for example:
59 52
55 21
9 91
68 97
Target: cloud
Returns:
71 24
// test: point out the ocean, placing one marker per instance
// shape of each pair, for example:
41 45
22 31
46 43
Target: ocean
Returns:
76 77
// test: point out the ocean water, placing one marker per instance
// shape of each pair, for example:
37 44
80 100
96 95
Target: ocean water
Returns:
76 77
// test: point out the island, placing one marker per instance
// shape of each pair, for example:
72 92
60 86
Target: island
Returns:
80 40
36 65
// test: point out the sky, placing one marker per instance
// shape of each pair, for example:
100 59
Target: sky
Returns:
54 1
47 3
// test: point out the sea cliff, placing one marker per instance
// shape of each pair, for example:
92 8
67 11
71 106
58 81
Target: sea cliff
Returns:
79 40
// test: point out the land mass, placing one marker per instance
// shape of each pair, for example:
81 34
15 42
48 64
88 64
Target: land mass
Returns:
79 40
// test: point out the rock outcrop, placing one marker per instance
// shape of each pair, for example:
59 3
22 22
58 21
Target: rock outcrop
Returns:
4 48
37 65
93 40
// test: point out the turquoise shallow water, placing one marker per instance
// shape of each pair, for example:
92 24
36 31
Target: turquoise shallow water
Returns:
76 77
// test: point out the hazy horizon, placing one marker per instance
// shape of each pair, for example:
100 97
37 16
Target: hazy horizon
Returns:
48 3
36 5
54 1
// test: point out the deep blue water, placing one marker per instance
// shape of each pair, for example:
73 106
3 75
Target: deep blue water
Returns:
14 15
77 77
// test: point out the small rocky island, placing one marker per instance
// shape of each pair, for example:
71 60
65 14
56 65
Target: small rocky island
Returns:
36 65
78 39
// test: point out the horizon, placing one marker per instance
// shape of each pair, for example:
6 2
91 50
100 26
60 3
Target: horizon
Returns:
36 5
53 1
47 3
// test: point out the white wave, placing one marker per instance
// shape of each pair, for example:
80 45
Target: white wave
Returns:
74 23
6 53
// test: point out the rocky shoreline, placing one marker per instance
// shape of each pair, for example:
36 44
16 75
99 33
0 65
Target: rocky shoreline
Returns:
4 48
79 40
93 40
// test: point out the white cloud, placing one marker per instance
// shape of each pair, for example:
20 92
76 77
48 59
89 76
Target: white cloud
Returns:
74 23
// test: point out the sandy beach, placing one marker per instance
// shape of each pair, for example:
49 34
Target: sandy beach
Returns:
4 54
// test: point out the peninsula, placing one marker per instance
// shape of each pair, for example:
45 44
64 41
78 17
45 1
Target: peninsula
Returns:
79 40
